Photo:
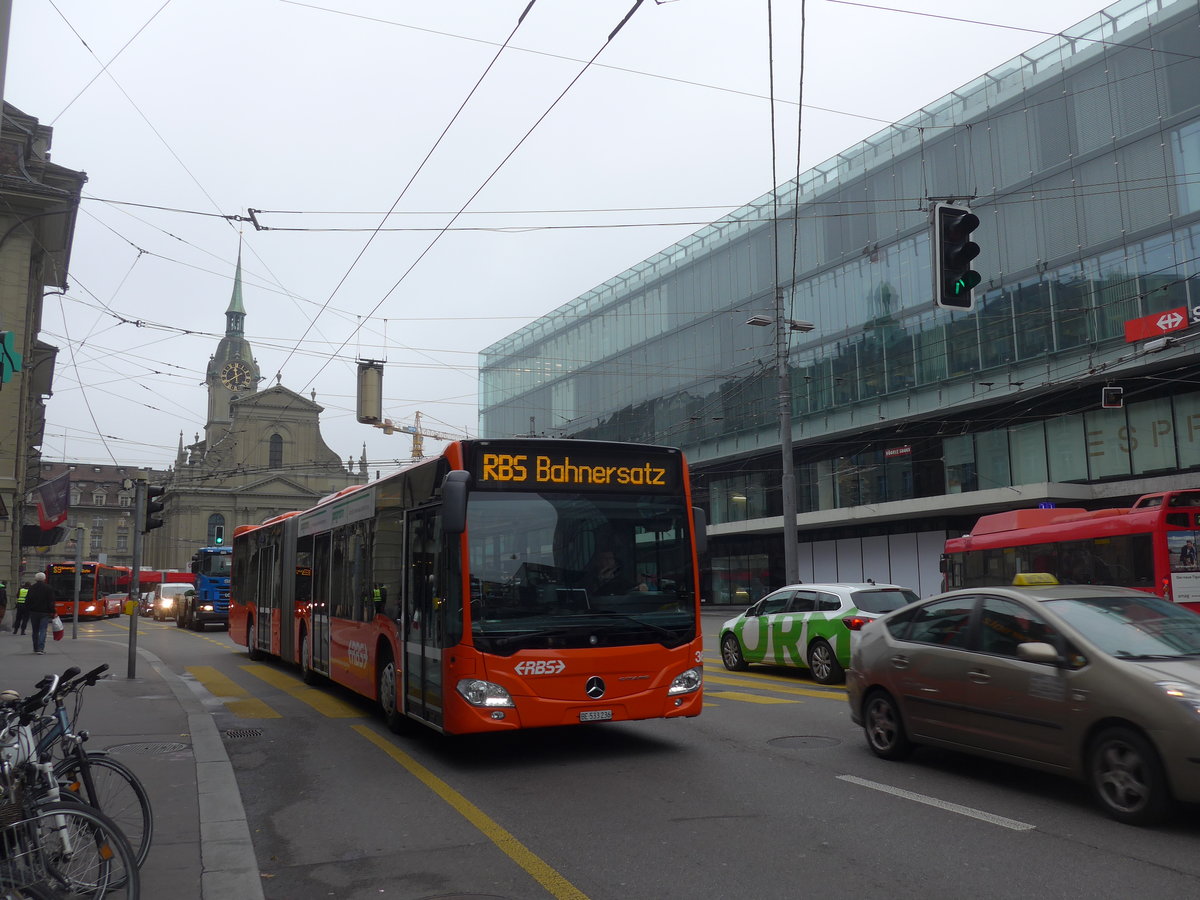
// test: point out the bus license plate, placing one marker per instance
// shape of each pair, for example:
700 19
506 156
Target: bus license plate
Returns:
595 715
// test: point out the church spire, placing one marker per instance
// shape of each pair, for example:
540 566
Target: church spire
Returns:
235 316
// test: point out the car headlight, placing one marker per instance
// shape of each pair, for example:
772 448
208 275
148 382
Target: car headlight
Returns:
207 607
478 692
1187 694
687 682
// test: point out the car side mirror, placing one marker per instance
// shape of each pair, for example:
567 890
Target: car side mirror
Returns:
1038 652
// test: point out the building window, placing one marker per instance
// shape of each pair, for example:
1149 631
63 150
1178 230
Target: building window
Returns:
124 500
275 460
216 530
75 498
97 541
97 499
122 540
97 521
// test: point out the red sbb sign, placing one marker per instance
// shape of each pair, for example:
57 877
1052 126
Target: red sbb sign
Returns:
1156 325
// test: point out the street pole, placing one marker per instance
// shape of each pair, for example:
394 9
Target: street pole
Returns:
135 587
78 579
791 567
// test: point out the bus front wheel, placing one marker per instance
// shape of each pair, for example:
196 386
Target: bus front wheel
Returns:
388 698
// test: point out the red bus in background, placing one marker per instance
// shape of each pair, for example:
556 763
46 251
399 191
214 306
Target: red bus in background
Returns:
1151 546
99 584
502 585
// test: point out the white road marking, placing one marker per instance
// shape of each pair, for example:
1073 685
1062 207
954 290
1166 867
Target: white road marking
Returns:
982 816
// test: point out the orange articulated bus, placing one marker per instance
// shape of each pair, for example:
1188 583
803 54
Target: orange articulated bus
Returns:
98 587
504 584
1150 546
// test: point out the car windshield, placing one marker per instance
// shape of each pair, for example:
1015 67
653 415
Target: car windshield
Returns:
1133 627
564 569
883 600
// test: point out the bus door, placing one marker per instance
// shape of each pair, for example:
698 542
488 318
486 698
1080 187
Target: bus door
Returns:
425 611
322 578
265 591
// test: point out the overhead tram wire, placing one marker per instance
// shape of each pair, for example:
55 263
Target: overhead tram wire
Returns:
495 171
404 190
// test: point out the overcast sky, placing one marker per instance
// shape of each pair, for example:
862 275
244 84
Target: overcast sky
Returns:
321 113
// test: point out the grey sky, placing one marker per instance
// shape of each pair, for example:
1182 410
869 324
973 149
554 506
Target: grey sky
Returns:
326 109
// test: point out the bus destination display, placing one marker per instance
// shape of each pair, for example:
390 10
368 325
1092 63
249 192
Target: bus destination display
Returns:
573 471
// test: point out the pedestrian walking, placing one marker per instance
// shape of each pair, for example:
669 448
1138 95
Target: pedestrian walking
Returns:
21 616
39 602
3 605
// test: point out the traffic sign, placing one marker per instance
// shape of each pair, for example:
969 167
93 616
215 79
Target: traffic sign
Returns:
1156 324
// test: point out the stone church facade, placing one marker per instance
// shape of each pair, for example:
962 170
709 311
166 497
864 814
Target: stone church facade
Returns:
261 454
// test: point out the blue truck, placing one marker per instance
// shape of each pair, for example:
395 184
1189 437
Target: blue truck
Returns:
209 602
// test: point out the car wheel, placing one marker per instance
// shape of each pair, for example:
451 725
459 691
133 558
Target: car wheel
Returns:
884 728
1127 778
823 663
731 653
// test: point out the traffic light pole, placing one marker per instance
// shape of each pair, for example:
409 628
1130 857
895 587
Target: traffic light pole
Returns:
135 586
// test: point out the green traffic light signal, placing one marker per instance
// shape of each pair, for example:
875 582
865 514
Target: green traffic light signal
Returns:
954 281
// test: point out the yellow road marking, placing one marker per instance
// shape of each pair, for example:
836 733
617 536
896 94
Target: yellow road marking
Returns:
238 699
837 694
325 704
542 872
748 698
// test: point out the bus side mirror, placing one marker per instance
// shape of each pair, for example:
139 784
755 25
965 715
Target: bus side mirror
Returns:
455 488
700 527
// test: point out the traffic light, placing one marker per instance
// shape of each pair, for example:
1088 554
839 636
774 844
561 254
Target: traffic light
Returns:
218 534
154 506
954 280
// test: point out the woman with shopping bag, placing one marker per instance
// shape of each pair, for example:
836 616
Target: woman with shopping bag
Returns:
40 603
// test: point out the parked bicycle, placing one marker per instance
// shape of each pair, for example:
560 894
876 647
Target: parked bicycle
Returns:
51 843
93 776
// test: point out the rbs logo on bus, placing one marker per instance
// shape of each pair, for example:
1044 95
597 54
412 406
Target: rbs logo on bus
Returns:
503 467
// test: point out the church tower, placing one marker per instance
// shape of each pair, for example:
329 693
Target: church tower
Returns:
232 370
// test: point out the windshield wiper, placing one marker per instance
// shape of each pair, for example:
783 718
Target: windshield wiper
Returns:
657 629
1142 657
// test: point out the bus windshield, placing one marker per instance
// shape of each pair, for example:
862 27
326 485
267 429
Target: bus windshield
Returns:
63 585
557 570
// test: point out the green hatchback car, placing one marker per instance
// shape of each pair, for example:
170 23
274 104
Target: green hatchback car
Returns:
808 625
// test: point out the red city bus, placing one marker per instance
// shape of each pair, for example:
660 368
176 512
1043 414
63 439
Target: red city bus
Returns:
504 584
1150 546
98 587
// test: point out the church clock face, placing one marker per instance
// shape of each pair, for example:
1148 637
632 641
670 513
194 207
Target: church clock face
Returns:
236 376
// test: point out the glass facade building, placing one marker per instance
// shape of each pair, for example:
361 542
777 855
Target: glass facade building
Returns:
1081 158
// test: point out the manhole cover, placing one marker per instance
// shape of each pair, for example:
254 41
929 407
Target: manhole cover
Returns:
160 747
243 732
804 742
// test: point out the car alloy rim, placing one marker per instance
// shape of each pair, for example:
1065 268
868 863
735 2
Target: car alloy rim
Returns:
731 650
882 725
820 661
1122 777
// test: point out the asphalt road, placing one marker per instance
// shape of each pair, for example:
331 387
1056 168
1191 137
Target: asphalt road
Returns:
770 793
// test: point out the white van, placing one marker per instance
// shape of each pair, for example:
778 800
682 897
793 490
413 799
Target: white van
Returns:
167 598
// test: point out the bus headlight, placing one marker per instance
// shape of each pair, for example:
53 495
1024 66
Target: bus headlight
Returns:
478 692
687 682
206 607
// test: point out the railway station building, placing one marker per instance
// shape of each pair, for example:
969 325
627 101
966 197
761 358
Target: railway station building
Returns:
1073 381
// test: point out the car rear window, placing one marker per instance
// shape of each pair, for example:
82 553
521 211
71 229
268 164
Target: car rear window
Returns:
883 600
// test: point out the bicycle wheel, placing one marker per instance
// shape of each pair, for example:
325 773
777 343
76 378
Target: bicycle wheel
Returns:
84 853
111 787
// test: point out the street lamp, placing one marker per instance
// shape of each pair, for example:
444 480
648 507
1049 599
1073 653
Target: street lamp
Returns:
783 325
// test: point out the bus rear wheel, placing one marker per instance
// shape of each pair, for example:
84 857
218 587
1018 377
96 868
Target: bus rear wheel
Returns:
307 674
389 700
251 651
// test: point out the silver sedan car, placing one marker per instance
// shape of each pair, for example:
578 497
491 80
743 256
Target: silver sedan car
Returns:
1101 684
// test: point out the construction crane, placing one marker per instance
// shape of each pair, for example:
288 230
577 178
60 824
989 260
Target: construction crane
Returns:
418 434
